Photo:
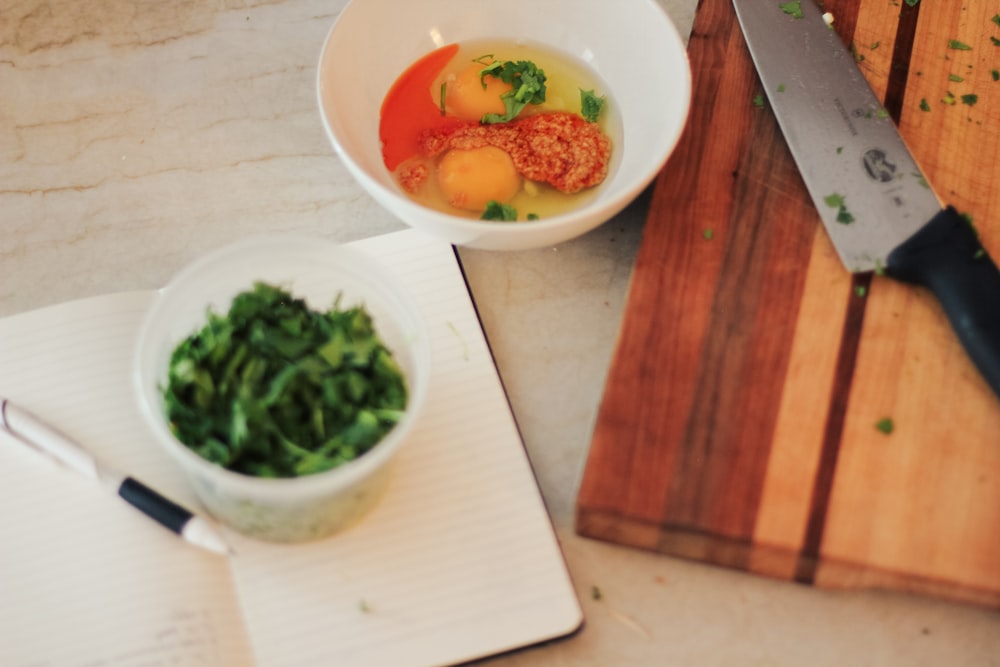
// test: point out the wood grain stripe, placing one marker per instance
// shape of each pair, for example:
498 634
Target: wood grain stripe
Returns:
853 326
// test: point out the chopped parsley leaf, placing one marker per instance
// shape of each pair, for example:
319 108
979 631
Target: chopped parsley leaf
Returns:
923 104
956 78
996 19
995 73
758 100
590 105
528 87
793 9
885 425
500 212
836 201
970 99
958 46
912 3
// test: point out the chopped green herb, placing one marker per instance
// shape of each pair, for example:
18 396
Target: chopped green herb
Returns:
590 105
497 211
875 45
882 113
923 104
793 9
861 291
595 593
996 19
442 95
885 425
840 149
994 40
912 3
532 216
758 100
956 78
781 87
837 201
995 73
948 99
275 389
528 87
970 99
958 46
707 233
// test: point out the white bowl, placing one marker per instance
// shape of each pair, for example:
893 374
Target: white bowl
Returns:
311 506
632 46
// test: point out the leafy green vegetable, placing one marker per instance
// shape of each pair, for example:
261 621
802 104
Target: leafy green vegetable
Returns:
275 389
885 425
793 8
528 86
590 105
497 211
837 201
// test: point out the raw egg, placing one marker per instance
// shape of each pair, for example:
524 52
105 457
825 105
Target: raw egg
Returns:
471 178
469 96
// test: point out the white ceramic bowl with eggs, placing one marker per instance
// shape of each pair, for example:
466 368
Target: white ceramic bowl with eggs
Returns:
631 46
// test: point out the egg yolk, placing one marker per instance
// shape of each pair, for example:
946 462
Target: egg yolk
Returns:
466 98
471 178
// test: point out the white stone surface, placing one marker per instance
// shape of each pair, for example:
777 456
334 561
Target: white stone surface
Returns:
134 136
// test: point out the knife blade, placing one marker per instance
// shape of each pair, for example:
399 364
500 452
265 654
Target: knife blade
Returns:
872 197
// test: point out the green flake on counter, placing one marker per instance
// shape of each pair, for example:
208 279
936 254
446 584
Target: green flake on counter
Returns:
957 45
885 425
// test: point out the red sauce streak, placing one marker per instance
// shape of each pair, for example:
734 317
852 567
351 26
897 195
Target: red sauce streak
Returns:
409 108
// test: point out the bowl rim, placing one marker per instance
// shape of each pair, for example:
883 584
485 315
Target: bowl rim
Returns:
329 481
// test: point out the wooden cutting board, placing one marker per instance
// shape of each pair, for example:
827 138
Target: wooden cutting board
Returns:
738 423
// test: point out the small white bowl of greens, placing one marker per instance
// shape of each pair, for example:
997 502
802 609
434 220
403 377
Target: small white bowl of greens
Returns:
283 374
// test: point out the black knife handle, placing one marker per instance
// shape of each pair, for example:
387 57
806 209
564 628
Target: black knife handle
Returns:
946 257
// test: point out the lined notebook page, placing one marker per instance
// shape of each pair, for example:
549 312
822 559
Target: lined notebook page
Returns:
85 580
459 559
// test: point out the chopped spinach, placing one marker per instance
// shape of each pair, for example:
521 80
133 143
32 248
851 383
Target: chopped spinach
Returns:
276 389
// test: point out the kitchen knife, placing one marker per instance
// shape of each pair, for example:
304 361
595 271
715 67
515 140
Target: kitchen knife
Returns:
875 203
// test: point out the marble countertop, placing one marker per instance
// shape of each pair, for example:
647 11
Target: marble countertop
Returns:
135 136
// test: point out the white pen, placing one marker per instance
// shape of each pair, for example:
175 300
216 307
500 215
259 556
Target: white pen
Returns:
32 431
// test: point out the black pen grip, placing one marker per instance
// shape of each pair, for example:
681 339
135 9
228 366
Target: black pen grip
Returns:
946 257
153 505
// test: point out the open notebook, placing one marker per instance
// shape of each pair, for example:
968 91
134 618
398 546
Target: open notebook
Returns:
458 561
